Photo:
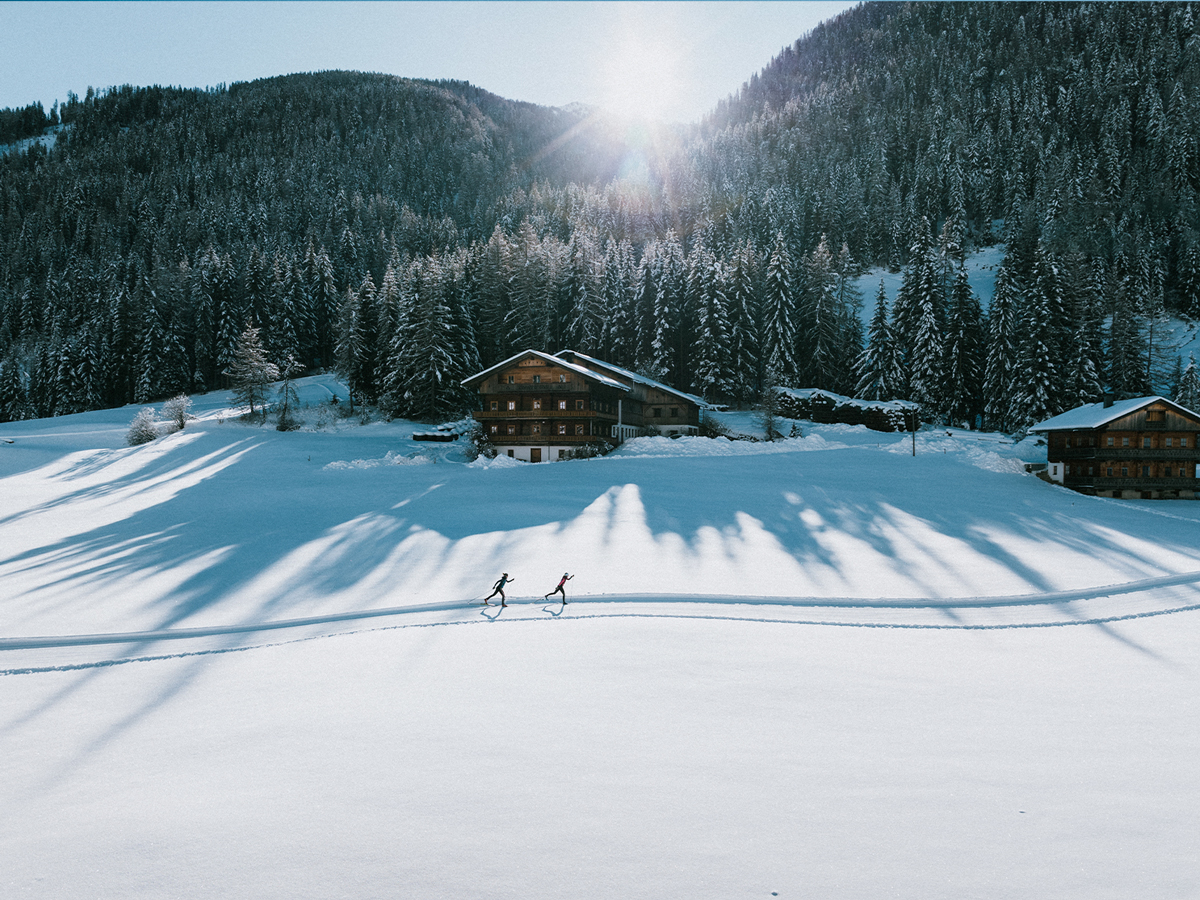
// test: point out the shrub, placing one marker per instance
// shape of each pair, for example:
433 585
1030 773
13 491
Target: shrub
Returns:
143 429
586 451
177 411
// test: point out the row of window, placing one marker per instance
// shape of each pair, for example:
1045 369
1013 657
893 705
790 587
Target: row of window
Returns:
537 404
537 429
1147 442
1168 471
537 379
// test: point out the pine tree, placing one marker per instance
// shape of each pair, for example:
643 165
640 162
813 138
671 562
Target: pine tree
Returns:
357 345
430 371
1002 366
711 359
878 368
323 301
819 326
848 303
618 335
12 391
250 372
779 330
1187 393
745 314
669 346
1126 351
963 366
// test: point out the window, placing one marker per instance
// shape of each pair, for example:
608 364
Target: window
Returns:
512 404
512 429
1067 442
537 379
674 412
562 404
1110 442
1124 442
579 404
1168 442
1183 442
657 412
495 404
537 404
579 429
1109 472
1145 471
1124 471
537 429
510 380
1145 442
1166 471
562 429
1090 472
562 379
495 429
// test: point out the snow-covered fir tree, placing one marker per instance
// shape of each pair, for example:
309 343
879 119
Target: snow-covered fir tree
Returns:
879 369
250 371
1187 393
779 328
1001 376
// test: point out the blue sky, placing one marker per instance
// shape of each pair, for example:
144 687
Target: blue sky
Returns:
670 60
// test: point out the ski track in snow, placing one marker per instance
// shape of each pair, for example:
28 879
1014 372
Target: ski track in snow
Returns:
948 606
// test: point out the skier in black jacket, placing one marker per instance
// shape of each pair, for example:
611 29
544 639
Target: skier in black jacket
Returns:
498 588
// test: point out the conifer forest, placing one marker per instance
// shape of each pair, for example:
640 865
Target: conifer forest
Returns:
409 233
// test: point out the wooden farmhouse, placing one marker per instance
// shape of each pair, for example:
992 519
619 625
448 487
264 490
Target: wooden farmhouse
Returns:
536 407
1147 447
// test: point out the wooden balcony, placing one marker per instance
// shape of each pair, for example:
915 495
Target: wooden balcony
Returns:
1139 483
545 387
546 440
543 414
1125 453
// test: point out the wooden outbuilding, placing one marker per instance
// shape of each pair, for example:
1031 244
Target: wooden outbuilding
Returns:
1147 447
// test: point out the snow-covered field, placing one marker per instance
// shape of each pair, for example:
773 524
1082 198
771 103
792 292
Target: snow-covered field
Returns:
819 668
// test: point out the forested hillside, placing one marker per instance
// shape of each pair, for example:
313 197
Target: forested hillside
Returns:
408 232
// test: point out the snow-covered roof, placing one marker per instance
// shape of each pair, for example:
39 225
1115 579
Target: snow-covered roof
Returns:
1096 415
839 400
552 360
639 379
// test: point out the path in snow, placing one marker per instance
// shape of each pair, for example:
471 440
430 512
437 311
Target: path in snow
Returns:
1100 606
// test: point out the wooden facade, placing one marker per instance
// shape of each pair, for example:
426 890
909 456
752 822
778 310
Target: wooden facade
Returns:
1148 447
536 407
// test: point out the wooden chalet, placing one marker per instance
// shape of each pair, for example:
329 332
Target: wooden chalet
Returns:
536 407
1147 447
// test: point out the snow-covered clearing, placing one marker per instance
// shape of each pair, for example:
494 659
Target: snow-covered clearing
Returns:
818 668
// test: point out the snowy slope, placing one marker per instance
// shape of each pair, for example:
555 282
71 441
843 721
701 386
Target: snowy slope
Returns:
822 667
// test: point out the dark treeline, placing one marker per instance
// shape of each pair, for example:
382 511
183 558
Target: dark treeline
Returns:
409 232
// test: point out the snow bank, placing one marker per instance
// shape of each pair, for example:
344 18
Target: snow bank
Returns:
391 458
689 445
499 462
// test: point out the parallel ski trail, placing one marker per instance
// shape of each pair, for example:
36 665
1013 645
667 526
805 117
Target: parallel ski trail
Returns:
947 604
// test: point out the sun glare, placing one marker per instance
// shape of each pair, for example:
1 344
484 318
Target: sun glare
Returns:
642 75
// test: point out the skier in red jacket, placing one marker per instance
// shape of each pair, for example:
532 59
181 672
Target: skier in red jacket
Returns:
559 590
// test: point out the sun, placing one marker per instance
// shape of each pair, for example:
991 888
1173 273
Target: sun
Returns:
641 74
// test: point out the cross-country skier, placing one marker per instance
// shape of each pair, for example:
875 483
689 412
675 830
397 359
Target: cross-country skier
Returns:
559 590
498 588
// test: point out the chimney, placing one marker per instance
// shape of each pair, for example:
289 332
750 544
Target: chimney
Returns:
1108 399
